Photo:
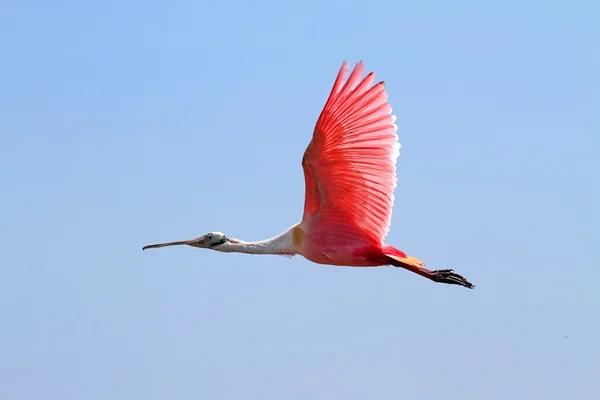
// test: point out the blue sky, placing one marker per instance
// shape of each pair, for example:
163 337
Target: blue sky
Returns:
127 123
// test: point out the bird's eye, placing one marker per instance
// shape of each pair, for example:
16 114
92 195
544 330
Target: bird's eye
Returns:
209 236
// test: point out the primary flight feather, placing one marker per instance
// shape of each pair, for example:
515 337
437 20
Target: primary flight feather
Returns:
350 176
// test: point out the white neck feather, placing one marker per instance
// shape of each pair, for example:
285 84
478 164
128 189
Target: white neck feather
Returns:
282 244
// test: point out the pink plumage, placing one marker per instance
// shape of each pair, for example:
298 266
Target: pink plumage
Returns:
350 173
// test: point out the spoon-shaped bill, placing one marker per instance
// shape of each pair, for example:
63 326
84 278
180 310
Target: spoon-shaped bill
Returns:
157 245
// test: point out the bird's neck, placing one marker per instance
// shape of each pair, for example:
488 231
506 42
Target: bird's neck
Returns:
282 244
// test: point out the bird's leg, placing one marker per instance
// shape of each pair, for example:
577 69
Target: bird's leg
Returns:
442 276
447 276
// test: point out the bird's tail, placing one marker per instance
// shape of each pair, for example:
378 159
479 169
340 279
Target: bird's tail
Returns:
398 258
410 263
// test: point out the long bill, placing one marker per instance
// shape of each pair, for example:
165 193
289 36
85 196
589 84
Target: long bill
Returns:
157 245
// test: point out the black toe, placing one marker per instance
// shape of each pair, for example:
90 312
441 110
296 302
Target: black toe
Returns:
450 277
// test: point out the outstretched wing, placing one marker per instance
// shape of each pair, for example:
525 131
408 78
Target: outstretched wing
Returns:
350 163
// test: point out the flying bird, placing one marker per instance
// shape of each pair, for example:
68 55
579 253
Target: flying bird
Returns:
350 177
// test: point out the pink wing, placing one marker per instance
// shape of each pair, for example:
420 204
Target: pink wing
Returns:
350 163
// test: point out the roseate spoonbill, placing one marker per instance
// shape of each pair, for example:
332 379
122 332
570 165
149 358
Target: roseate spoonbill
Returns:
350 176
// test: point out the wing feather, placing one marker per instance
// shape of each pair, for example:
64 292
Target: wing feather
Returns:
350 163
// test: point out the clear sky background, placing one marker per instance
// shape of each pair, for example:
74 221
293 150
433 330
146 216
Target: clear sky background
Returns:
128 123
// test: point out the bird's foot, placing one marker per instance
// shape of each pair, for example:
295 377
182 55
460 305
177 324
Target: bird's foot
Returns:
450 277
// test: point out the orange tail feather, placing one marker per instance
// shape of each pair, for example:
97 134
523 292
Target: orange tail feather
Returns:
407 261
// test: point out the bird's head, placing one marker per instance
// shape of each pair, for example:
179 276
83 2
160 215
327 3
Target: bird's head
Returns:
211 240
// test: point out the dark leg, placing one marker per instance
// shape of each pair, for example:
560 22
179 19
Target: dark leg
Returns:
442 276
447 276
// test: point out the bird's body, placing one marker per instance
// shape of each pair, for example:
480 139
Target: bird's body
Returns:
350 177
